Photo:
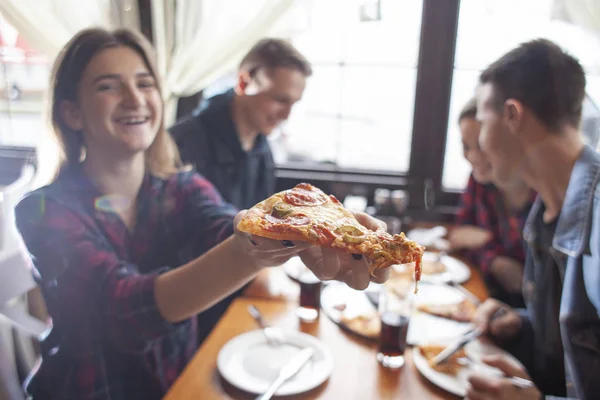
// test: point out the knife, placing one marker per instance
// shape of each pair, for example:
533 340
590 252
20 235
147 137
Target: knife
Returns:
514 380
468 294
445 354
451 282
288 371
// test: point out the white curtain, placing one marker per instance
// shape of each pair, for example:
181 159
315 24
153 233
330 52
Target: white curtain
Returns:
585 13
197 41
47 25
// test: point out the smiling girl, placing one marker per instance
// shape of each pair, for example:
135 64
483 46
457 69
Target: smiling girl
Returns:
130 249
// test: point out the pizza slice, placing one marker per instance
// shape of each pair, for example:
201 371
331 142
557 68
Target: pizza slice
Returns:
463 311
451 366
306 213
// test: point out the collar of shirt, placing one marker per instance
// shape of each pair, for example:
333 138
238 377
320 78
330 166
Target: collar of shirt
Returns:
74 181
77 192
574 222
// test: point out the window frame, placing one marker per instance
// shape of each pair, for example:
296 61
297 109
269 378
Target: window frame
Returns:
435 66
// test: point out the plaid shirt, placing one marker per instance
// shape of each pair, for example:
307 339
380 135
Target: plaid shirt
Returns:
109 340
483 206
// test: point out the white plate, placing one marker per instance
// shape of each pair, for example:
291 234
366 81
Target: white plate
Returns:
456 270
355 301
427 328
423 327
454 384
250 364
297 271
458 384
294 267
425 236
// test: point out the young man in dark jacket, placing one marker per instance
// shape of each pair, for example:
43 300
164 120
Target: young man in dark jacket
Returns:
226 139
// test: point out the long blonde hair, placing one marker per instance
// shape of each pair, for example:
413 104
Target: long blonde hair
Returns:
162 157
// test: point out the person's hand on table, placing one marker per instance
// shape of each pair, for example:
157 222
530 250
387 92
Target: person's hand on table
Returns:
325 263
468 237
484 386
508 272
505 326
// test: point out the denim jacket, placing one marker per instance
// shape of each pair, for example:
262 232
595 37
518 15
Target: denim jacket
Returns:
576 251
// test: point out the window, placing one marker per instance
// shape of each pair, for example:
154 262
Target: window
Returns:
24 75
486 30
364 56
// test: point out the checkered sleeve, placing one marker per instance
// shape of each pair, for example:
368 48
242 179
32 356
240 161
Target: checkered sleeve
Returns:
207 217
487 255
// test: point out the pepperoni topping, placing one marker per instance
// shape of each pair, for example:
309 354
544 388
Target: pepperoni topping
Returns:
334 199
296 219
325 235
299 196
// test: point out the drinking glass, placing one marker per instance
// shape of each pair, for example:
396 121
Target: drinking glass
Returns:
310 296
395 317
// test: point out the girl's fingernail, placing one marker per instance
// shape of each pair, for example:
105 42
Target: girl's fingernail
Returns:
288 243
357 256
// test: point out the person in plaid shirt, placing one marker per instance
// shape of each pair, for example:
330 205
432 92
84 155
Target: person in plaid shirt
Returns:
490 219
130 249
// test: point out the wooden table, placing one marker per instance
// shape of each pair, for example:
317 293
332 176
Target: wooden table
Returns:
356 373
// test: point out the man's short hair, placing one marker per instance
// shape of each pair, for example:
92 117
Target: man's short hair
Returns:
272 53
469 110
544 78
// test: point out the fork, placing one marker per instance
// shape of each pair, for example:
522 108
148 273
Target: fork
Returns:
515 380
466 292
274 336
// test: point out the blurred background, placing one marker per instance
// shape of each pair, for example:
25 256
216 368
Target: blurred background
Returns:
380 111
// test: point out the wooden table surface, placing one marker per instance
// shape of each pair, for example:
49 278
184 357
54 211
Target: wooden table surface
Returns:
356 373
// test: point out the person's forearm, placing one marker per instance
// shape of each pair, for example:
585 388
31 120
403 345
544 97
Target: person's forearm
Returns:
469 237
194 287
508 272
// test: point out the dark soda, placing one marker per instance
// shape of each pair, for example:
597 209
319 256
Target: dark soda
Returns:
310 297
392 341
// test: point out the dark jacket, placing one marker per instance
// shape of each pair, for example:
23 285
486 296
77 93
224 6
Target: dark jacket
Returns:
208 140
